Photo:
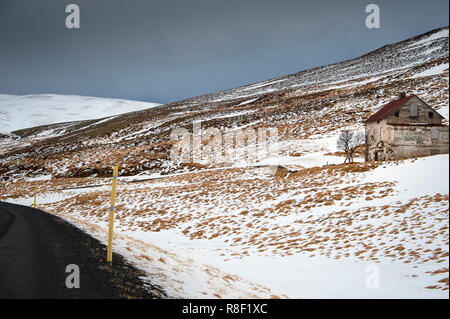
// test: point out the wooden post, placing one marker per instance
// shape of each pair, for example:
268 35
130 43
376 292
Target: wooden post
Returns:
35 192
111 214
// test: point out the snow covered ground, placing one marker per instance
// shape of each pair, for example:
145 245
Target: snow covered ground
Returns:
24 111
322 230
374 231
438 69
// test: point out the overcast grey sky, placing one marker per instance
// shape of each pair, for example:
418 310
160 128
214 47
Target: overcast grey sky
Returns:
166 50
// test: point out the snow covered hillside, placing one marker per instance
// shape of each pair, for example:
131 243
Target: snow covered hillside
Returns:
249 228
304 107
322 232
387 63
25 111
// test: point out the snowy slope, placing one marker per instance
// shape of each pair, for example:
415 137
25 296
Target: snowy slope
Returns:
19 112
306 107
393 59
239 231
317 234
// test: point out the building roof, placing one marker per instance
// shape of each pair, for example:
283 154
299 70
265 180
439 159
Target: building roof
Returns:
388 109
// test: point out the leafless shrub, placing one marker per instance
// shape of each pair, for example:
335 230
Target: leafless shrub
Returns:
348 141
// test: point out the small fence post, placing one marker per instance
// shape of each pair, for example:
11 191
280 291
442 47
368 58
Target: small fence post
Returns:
111 214
35 192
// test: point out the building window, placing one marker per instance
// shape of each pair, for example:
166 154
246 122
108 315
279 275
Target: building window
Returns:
434 152
396 114
434 133
430 115
413 111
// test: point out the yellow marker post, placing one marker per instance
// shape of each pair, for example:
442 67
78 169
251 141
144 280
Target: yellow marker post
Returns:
35 191
111 214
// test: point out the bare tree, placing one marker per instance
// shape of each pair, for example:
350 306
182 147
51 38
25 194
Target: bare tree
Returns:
348 141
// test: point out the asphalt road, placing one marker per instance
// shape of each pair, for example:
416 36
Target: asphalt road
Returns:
35 249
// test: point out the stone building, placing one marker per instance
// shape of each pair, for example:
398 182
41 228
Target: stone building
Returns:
406 127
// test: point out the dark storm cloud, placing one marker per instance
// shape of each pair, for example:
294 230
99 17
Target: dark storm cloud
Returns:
165 50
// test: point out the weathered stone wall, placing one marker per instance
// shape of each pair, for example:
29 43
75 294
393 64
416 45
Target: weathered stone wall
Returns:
379 138
411 141
404 115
